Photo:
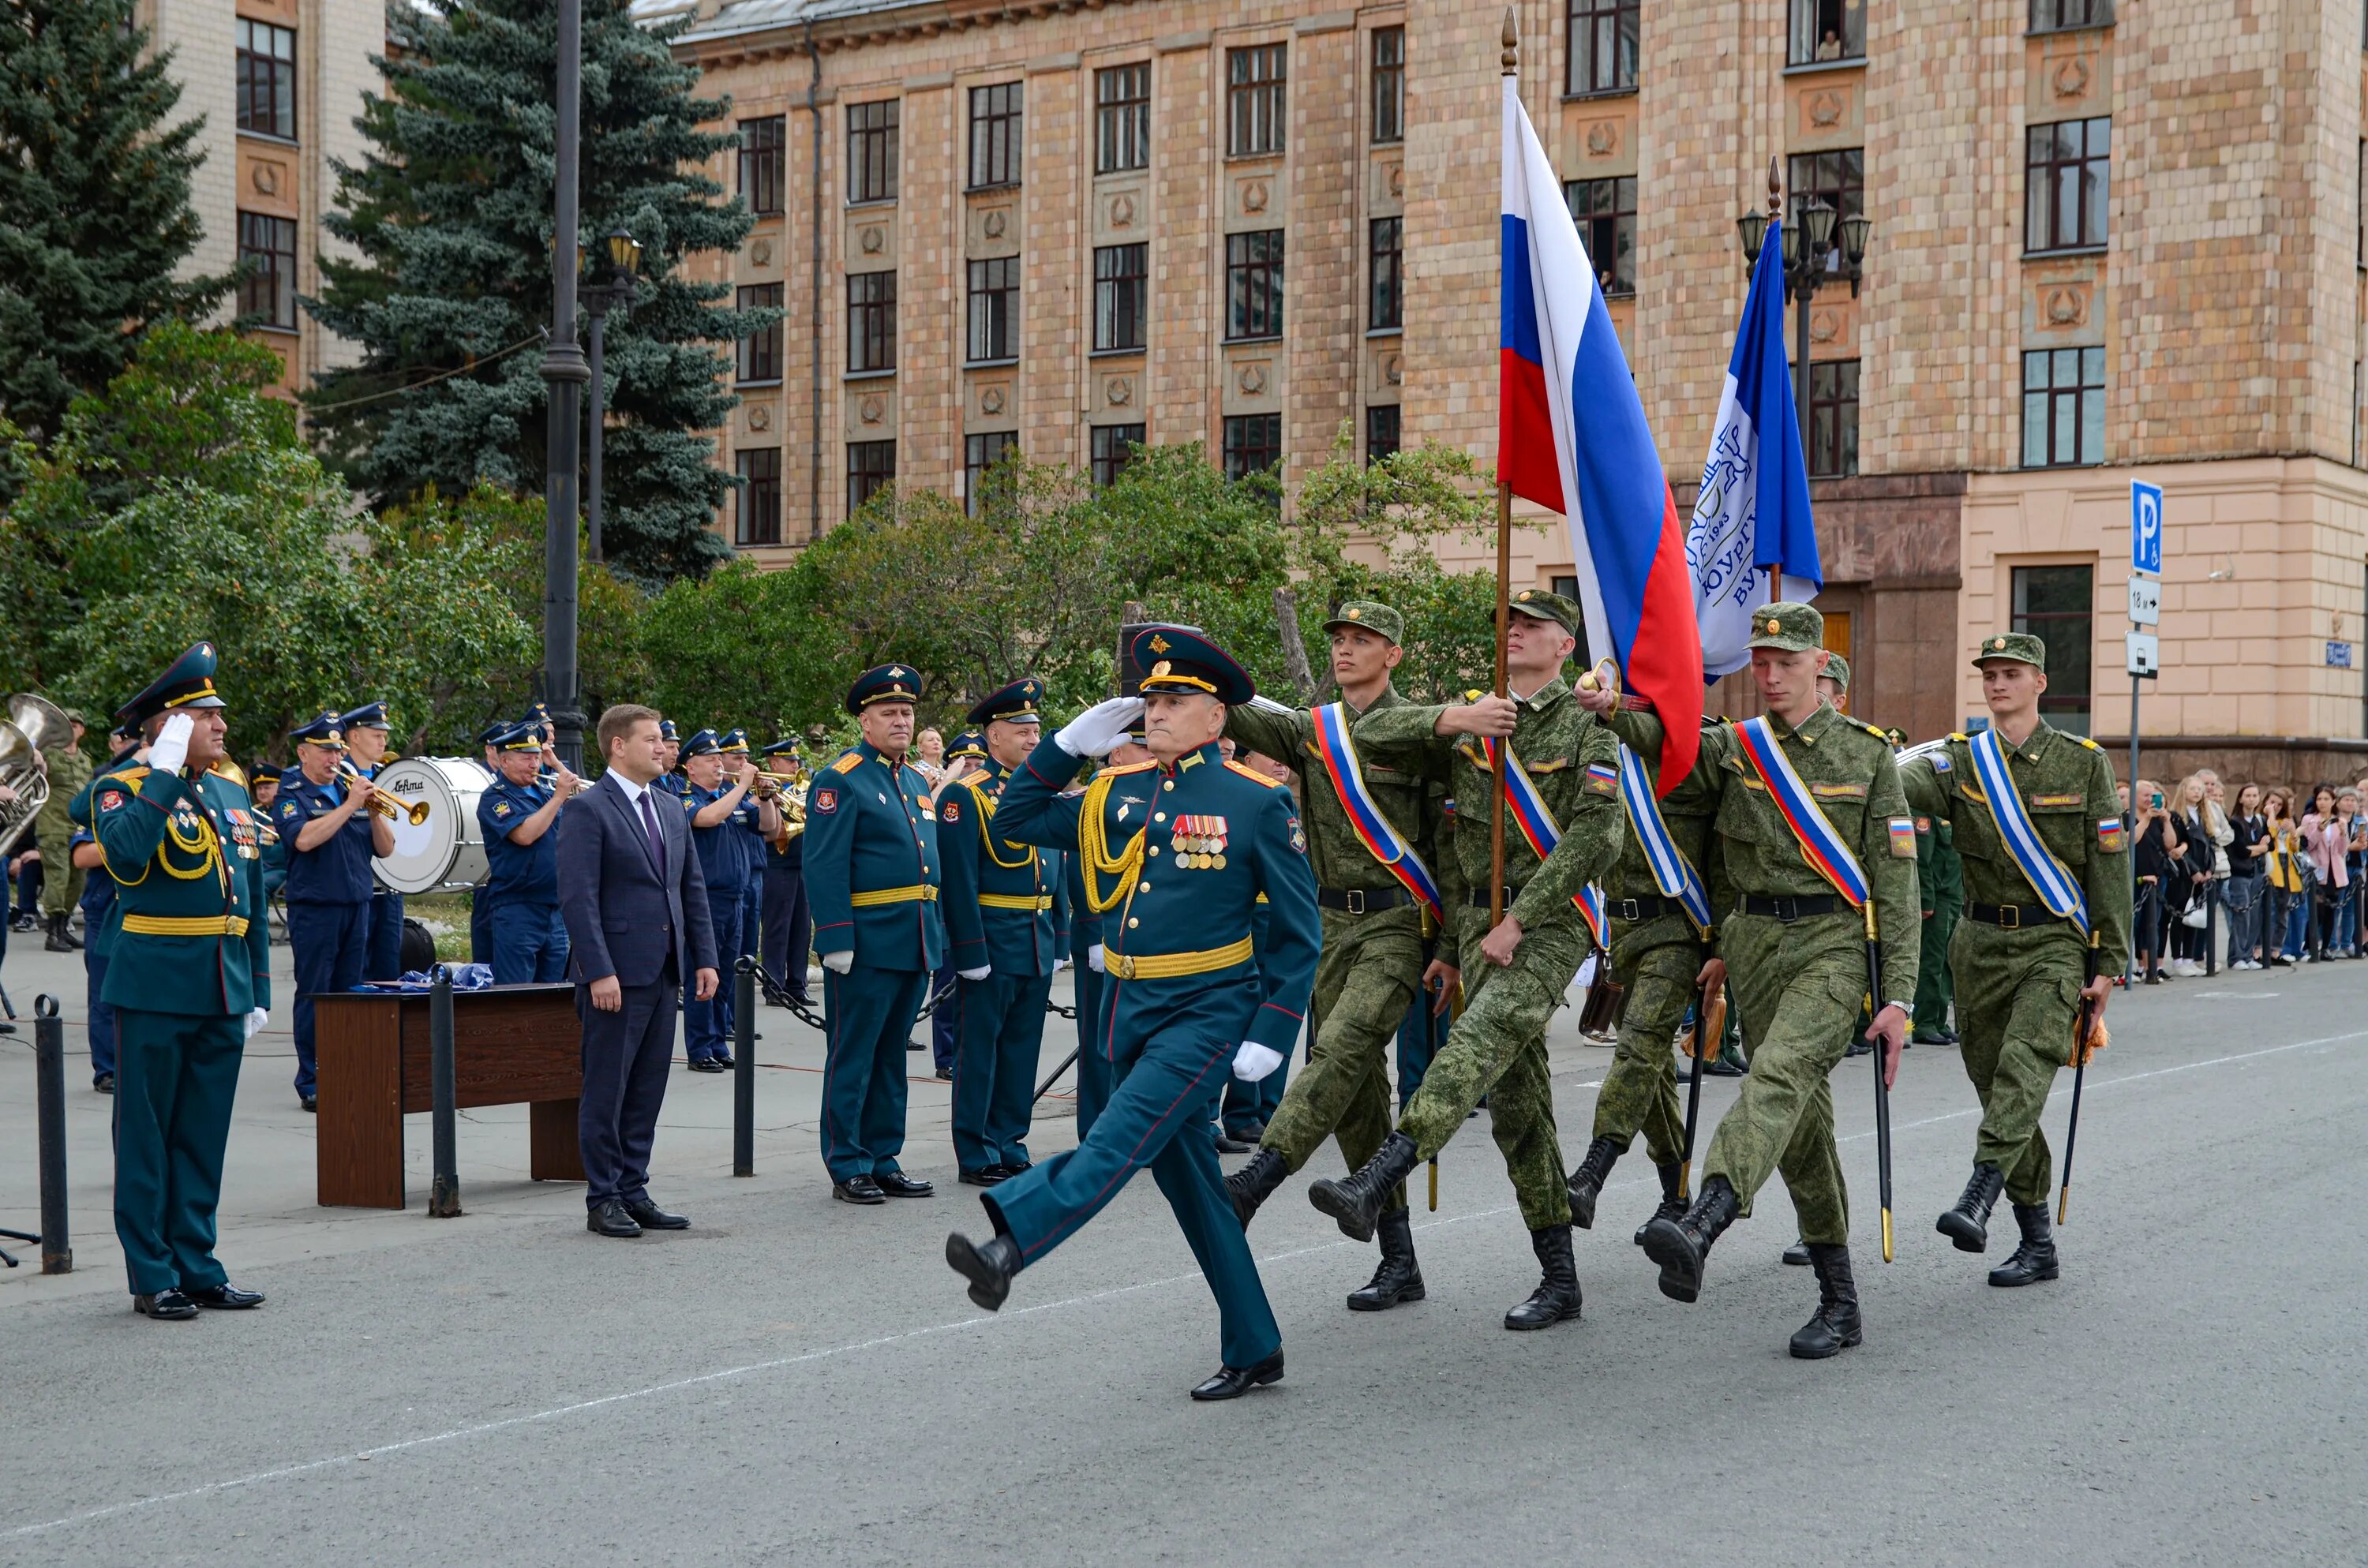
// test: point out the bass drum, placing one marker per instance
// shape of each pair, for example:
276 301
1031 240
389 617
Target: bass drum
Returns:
448 850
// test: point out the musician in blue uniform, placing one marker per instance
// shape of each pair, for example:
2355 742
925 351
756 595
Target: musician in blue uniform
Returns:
330 831
966 753
98 908
481 902
518 812
725 828
739 757
367 732
1004 943
1176 854
784 925
873 875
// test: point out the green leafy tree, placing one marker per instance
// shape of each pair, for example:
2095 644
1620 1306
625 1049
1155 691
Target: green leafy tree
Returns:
451 211
95 215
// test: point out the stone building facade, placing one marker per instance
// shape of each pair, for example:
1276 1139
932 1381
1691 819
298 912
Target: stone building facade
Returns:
2110 242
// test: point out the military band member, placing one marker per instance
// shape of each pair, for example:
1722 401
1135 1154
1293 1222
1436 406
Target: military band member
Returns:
326 823
1004 940
2046 875
725 827
518 812
671 780
1801 781
785 925
481 901
1358 807
873 875
1567 775
367 732
764 816
190 980
263 783
1176 854
68 770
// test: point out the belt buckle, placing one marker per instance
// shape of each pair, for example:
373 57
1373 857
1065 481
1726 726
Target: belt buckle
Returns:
2010 917
1355 904
1126 966
1788 908
1629 909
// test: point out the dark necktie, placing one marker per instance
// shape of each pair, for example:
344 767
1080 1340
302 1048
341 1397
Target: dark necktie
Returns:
657 839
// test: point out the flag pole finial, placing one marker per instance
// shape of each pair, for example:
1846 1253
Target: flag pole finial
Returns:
1775 189
1511 39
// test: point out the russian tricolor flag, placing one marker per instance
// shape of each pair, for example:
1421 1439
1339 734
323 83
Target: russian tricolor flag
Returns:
1571 435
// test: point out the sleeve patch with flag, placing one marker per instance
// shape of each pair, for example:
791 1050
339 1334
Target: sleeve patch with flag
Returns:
2110 834
1602 781
1903 837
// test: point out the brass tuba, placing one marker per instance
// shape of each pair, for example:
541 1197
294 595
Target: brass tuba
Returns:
34 724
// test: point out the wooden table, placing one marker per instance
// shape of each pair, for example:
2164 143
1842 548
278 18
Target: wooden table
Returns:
511 1045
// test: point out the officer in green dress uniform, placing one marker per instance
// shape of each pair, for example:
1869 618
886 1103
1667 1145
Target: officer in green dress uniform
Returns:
1004 939
1515 976
1175 852
1372 960
1792 947
190 981
2023 969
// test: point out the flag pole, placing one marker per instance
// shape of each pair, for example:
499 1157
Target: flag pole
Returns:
1776 211
1511 62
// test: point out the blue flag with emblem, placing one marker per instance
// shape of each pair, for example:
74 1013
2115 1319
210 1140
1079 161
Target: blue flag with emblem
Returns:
2054 883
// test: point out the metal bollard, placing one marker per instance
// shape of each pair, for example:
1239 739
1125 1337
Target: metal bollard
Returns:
50 1081
743 1068
2210 928
444 1194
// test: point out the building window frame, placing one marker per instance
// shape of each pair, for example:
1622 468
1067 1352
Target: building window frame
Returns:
1254 278
266 286
1253 444
1385 275
1808 21
1605 211
1384 432
757 358
756 513
992 316
871 322
1122 117
1835 177
982 452
1387 103
2070 16
1833 418
870 467
1110 447
1257 100
1601 53
2067 171
2065 621
1122 298
998 116
2063 407
264 86
874 143
763 163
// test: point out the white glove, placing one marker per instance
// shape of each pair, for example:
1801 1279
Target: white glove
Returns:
1099 728
171 747
1265 704
981 972
1254 1062
839 962
1094 958
1060 964
256 1020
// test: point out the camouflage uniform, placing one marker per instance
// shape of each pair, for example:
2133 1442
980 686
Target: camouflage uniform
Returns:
1940 883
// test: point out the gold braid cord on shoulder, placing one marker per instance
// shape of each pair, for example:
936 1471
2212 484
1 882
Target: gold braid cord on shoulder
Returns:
985 820
1093 843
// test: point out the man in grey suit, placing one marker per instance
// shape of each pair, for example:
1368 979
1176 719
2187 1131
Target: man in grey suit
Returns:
635 905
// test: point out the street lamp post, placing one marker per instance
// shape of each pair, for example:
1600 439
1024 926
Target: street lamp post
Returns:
565 373
610 288
1812 260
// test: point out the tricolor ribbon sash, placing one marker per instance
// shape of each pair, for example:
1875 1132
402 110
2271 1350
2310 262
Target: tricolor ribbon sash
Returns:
1530 813
1338 751
1821 846
1672 872
2054 883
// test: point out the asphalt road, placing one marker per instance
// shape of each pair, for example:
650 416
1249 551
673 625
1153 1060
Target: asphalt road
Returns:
796 1382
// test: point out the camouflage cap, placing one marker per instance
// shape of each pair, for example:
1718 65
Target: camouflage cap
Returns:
1788 628
1374 617
1544 605
1837 670
2023 647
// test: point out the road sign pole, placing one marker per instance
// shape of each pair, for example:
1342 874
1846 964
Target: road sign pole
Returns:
2145 611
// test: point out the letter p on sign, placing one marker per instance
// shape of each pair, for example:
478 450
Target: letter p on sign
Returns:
2145 528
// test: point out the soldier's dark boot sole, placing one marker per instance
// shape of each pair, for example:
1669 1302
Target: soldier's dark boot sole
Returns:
1335 1200
1377 1298
1964 1231
1681 1262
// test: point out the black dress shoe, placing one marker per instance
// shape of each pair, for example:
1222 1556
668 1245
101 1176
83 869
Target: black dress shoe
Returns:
310 1102
225 1296
169 1305
723 1060
102 1084
985 1176
857 1190
988 1266
896 1183
610 1219
1232 1382
1013 1167
1720 1067
945 1075
1229 1144
705 1065
650 1217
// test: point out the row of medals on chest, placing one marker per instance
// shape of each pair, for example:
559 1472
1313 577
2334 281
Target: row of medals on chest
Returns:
1198 842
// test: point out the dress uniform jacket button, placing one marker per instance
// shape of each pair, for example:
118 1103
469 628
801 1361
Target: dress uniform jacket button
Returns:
1133 920
1143 887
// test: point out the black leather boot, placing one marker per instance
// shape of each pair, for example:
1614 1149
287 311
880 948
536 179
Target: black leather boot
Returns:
1797 1255
1681 1246
1357 1201
1255 1183
61 939
1398 1278
1556 1299
2035 1260
1586 1182
1835 1327
1672 1206
988 1266
1968 1224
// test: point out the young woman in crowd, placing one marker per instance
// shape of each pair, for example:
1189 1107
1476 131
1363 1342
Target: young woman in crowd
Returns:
2328 847
2289 879
2247 886
2160 859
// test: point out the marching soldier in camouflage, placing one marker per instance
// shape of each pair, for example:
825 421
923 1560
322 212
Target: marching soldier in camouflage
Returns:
1941 883
1795 950
2024 970
1515 976
1373 960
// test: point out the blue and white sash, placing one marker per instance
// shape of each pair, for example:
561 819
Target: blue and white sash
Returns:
1672 872
1540 831
2054 883
1373 829
1821 845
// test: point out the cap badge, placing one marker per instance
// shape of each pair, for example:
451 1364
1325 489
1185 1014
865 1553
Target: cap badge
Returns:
1998 641
1775 625
1352 613
1159 669
1523 596
1160 645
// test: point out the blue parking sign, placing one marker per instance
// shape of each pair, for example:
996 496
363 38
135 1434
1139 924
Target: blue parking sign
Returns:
2146 526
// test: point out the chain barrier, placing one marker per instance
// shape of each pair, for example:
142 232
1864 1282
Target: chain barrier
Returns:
778 995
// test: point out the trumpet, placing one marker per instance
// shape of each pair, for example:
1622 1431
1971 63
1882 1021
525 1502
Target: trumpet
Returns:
384 804
549 781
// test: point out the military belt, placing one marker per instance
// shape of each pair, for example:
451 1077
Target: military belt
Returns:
185 925
1478 897
1363 901
1034 902
924 892
1636 909
2013 917
1789 907
1171 966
